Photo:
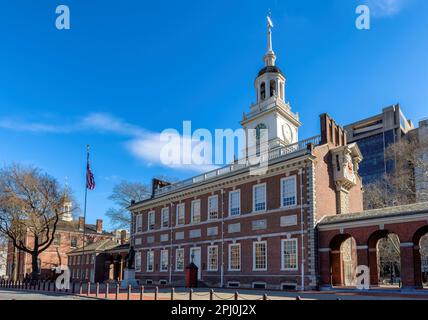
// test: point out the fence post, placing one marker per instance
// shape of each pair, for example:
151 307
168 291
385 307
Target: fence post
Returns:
190 293
54 286
129 292
38 285
172 294
73 290
156 293
117 291
142 293
236 295
80 288
211 294
107 290
298 298
97 289
44 285
88 292
265 296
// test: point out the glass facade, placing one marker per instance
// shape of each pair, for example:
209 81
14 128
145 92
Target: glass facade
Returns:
374 165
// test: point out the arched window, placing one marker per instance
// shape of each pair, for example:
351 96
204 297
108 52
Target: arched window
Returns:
272 88
263 91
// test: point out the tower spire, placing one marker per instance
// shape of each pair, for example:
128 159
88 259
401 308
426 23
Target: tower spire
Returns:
270 56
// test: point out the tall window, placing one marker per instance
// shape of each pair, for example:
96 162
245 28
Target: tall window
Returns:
289 254
273 91
165 217
235 203
150 260
151 220
138 261
78 259
73 242
196 211
260 256
288 192
213 207
263 91
259 197
139 223
179 259
235 257
180 214
164 260
212 258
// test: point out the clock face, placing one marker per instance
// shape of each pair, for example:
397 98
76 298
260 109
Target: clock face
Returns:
287 132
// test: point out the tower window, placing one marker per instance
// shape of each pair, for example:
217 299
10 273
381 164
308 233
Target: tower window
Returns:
263 91
272 88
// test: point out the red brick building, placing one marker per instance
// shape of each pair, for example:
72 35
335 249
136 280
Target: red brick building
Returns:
246 230
68 237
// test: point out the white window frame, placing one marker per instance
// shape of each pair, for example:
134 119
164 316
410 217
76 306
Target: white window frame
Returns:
210 209
209 260
230 202
152 254
161 262
177 214
254 197
282 191
230 256
138 261
149 224
254 255
192 218
283 241
139 222
163 211
176 259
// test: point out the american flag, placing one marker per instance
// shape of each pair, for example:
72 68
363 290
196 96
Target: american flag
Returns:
90 182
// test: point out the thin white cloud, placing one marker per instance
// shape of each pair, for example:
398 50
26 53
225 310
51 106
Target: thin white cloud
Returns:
381 8
143 144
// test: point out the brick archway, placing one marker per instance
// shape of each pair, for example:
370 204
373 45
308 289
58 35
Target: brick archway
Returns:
342 270
417 255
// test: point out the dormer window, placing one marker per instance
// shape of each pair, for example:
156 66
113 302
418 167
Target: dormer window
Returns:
272 88
263 91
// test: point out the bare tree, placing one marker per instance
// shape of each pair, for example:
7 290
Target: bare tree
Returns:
122 195
31 203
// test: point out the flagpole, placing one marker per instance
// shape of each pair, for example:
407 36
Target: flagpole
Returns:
86 197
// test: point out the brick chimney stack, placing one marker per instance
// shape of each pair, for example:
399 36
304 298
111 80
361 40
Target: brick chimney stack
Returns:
81 223
123 234
99 226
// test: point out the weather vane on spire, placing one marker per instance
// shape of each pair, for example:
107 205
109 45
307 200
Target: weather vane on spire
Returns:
269 16
270 57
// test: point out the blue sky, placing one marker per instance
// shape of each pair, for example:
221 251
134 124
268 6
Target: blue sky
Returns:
130 69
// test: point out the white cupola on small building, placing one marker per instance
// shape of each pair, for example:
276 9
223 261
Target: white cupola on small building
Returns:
271 111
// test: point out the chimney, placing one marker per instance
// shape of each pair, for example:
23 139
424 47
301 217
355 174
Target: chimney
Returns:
99 226
81 223
123 235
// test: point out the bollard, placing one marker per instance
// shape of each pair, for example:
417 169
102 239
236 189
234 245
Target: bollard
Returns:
236 295
156 293
211 294
107 290
97 289
128 297
265 297
190 293
88 291
172 294
142 293
117 291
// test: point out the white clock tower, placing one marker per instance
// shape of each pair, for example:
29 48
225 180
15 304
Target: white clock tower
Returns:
271 111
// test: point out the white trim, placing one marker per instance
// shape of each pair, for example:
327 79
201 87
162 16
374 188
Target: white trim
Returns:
293 177
177 208
238 191
253 284
165 209
254 255
208 258
152 212
237 284
167 260
191 211
152 253
296 242
254 197
138 258
229 257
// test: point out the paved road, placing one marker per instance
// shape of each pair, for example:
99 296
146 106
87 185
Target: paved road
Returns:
21 295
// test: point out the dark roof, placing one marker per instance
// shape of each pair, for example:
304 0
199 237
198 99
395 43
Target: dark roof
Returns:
410 209
73 226
270 69
97 246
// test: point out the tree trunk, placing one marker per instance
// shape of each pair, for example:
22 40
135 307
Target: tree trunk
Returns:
35 274
14 273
